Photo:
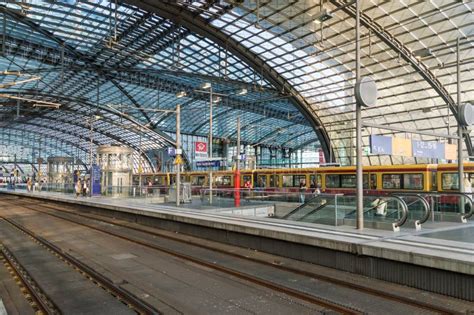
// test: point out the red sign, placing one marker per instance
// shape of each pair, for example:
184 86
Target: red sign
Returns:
322 160
201 147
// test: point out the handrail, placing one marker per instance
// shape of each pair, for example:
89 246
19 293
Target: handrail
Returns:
306 203
425 203
466 195
396 225
318 208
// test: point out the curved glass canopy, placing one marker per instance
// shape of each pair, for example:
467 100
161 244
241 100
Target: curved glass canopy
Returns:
112 65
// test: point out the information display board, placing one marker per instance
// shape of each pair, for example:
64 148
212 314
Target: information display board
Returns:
428 149
380 144
95 182
412 148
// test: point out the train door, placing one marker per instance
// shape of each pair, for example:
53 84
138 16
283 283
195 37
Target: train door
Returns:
274 181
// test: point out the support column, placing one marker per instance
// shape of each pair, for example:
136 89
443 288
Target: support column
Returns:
359 193
460 134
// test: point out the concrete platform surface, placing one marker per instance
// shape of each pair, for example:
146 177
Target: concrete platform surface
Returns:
444 246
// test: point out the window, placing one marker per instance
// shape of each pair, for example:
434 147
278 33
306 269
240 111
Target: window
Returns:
287 180
391 181
333 181
315 180
450 181
245 178
348 181
198 180
293 180
274 181
413 181
223 181
261 181
159 181
373 181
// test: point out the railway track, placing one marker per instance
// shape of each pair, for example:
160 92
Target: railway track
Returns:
286 290
39 301
45 305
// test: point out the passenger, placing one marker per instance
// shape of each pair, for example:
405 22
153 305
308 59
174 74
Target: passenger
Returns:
84 188
28 184
468 192
317 191
150 188
78 188
381 207
302 190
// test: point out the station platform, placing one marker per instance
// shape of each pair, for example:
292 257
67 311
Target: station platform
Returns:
439 258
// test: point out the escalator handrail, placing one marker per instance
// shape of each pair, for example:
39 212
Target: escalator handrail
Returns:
404 217
467 195
308 201
425 203
318 208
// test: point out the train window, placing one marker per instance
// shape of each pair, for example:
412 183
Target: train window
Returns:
413 181
450 181
348 181
315 180
373 181
245 178
297 179
287 180
274 181
159 181
198 180
333 181
391 181
261 181
223 180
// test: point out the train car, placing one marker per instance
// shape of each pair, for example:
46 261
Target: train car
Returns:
447 176
376 179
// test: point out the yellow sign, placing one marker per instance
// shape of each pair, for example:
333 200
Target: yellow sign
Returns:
140 169
178 160
401 146
450 151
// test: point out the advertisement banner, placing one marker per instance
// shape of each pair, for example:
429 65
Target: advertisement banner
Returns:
402 146
200 150
451 151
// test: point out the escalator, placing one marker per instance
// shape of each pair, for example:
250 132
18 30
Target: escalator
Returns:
339 209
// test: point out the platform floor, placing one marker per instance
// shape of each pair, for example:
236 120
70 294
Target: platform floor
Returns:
441 245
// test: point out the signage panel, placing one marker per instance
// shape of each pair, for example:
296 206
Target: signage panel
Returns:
172 151
211 163
401 146
200 149
95 182
428 149
450 151
380 144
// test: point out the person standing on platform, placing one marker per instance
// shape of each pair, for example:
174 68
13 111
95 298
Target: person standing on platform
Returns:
302 190
28 185
78 187
84 188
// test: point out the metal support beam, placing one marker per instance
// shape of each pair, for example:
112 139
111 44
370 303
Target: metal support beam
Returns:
399 48
460 127
201 26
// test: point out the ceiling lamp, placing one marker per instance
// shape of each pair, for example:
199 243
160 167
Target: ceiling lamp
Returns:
423 53
181 94
322 16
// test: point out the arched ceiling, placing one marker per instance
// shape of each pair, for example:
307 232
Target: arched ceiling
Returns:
135 56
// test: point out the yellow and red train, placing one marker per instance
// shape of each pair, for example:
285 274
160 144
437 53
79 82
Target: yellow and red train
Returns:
391 178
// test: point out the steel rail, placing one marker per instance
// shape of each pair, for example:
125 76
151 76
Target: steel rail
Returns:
121 294
38 300
329 279
320 301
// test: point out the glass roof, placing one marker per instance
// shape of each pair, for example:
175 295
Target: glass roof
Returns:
124 63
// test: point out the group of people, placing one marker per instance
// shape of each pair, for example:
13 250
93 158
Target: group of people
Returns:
82 187
33 185
315 189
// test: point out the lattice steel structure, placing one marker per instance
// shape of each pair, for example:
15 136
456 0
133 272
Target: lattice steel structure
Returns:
96 57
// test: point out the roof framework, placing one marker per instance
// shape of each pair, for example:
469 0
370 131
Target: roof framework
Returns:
135 56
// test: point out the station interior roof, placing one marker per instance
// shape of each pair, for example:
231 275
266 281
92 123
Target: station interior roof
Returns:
284 68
